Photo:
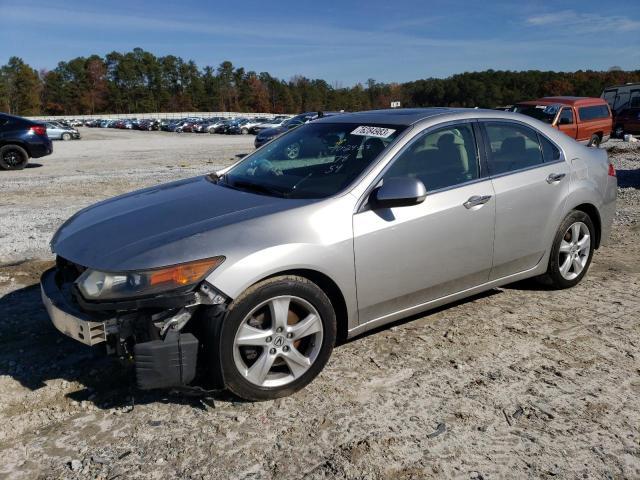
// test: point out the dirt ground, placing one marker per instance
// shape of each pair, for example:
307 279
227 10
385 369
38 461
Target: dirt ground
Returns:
520 382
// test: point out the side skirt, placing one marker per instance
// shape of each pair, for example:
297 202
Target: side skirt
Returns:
539 269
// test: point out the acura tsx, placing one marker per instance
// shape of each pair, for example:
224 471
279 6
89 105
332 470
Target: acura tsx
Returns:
253 272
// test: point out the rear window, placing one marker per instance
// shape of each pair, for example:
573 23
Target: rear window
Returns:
594 112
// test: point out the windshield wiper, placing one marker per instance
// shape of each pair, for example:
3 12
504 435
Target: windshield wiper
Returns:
259 188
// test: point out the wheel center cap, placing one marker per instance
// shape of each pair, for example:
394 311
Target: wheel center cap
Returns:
278 341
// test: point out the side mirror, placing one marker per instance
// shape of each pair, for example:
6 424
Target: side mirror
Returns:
398 192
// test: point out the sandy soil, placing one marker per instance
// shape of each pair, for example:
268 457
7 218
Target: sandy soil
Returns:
519 382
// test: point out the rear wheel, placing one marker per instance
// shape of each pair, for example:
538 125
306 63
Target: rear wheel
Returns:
244 131
595 141
13 157
276 338
571 252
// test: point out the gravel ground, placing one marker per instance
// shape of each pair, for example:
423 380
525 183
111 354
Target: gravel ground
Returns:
518 382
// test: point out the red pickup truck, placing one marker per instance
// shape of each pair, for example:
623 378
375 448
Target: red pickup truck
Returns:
588 120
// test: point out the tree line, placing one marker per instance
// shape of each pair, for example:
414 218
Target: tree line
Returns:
138 81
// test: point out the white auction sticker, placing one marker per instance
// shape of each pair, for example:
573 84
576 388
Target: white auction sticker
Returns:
367 131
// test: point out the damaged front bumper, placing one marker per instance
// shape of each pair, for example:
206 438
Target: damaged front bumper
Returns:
147 332
69 320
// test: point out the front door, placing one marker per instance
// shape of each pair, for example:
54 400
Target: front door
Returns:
408 256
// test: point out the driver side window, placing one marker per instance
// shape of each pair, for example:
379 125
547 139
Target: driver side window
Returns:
440 159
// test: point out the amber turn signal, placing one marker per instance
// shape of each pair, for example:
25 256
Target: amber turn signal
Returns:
185 273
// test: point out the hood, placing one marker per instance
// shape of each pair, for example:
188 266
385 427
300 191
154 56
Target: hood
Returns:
159 226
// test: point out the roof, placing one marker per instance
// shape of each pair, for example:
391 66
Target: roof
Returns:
392 116
630 84
575 101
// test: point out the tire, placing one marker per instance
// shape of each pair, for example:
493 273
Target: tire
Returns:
290 362
66 137
244 131
618 131
13 157
565 239
595 141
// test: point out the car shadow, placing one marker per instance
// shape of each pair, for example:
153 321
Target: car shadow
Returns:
628 178
33 165
34 353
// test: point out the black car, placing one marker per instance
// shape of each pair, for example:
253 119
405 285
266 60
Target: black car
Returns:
268 134
224 126
20 140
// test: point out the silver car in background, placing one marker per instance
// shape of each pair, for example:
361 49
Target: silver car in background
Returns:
57 131
254 272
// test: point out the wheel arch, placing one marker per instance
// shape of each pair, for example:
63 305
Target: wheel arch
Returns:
18 143
594 214
330 288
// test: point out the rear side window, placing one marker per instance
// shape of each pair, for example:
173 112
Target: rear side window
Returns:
550 152
511 147
594 112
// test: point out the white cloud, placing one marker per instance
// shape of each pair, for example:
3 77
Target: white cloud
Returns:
577 23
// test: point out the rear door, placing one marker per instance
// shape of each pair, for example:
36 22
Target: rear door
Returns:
531 180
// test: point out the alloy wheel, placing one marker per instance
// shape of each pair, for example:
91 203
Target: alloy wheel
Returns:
12 158
278 341
292 151
575 247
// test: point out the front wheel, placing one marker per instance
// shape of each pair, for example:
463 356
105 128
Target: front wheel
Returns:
66 137
276 338
571 252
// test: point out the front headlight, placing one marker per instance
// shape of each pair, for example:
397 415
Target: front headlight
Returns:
96 285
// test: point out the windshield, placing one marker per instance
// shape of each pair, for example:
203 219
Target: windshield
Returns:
316 160
546 113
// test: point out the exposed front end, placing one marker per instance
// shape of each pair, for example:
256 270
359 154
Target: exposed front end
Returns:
152 331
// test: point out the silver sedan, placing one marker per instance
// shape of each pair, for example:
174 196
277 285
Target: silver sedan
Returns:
255 271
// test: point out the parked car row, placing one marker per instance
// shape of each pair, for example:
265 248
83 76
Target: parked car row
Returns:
225 125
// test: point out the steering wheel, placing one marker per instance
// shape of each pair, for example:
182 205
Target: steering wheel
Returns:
262 168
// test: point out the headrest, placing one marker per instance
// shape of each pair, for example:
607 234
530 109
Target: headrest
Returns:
446 140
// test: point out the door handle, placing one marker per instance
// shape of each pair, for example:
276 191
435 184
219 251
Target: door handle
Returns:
555 177
476 201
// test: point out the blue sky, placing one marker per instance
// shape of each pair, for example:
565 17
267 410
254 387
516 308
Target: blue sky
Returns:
341 42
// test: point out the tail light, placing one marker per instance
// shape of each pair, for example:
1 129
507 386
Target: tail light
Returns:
612 170
39 130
